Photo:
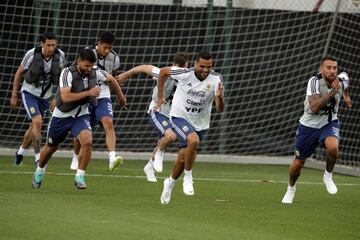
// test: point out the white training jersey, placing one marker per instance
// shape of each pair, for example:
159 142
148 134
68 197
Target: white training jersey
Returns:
66 81
193 98
104 88
317 86
27 61
169 89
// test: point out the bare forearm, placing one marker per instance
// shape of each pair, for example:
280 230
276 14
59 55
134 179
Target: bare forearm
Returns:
318 103
16 83
220 103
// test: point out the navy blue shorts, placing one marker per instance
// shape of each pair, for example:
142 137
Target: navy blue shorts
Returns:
308 138
102 109
34 105
160 122
60 127
182 128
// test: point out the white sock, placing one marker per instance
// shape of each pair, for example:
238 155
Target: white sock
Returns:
21 150
188 173
291 188
39 169
111 155
159 151
328 174
80 172
75 156
37 157
151 162
172 181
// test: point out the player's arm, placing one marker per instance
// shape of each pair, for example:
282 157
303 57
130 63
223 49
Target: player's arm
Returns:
219 98
123 77
347 99
68 96
163 75
117 89
316 102
14 98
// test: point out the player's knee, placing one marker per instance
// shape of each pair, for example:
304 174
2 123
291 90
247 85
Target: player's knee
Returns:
107 123
194 142
171 137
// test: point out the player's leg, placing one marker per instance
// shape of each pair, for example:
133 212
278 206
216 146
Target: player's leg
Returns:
57 131
169 183
110 139
82 129
306 140
76 149
36 135
27 139
103 112
162 124
330 137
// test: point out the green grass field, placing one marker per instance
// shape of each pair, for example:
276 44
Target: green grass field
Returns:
232 201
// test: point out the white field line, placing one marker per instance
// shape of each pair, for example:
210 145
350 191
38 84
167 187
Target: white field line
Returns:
198 179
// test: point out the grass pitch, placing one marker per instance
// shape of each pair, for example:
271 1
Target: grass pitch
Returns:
232 201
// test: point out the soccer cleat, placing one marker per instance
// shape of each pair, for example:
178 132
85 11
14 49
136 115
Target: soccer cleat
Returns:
80 182
330 185
158 161
114 164
37 179
149 171
74 164
18 158
166 193
188 187
289 195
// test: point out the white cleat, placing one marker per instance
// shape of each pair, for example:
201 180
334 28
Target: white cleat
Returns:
166 193
188 187
74 164
330 185
158 161
150 174
289 196
114 164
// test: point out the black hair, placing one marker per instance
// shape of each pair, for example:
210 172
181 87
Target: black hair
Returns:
47 35
328 57
204 55
107 37
87 54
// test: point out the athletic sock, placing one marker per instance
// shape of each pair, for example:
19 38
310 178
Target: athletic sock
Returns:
21 150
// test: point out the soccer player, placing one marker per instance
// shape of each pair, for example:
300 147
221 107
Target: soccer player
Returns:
159 118
107 60
190 113
319 123
78 86
42 66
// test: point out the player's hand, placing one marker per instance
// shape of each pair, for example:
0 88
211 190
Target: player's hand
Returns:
123 103
220 90
158 104
94 92
121 79
335 85
348 102
13 102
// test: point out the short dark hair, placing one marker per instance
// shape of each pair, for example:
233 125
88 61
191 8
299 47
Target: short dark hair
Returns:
204 55
47 35
107 37
87 54
328 57
180 58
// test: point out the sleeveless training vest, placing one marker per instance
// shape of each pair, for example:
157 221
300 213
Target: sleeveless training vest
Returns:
109 61
36 75
77 87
